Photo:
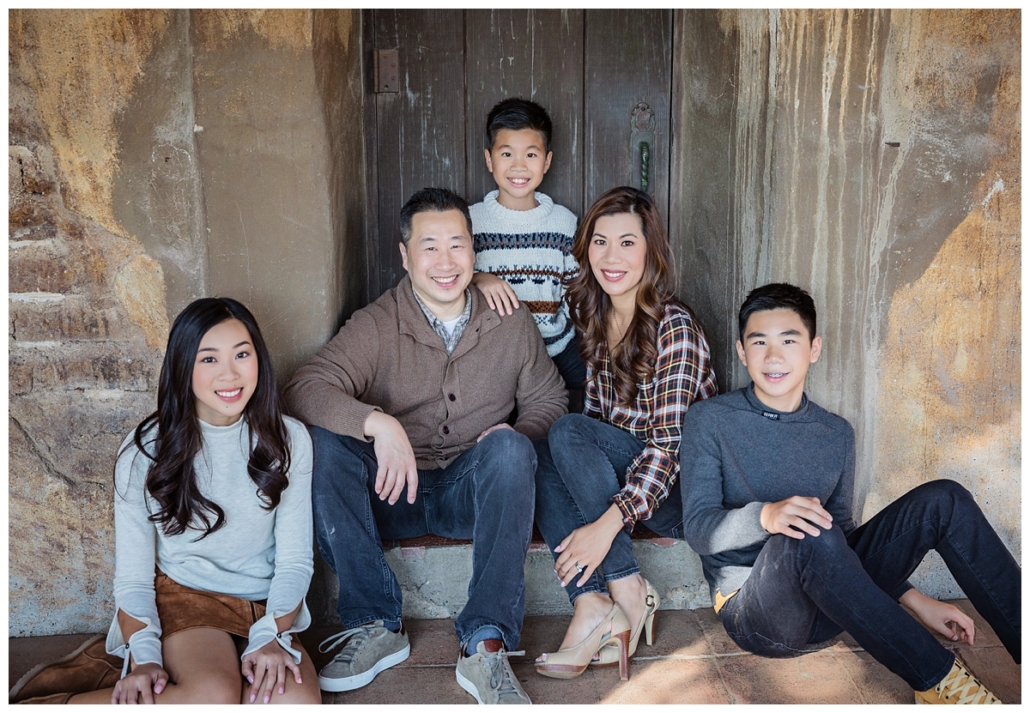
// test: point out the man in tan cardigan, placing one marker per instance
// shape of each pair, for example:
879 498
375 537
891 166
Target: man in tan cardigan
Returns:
413 394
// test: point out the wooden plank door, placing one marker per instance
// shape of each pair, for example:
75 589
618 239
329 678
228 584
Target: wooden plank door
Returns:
605 78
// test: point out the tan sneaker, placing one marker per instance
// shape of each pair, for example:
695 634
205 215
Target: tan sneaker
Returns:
488 677
367 650
958 687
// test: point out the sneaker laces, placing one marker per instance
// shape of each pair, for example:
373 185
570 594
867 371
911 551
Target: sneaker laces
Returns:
501 675
354 638
963 684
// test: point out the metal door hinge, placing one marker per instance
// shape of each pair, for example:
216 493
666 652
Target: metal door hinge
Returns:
387 71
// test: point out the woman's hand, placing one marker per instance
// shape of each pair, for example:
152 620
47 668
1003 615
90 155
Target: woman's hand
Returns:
587 546
140 685
498 293
946 619
265 670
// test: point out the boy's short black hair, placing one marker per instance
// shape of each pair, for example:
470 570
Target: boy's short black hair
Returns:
778 295
432 199
517 114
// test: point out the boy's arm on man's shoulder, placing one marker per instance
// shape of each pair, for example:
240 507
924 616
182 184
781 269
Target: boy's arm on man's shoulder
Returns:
323 392
709 527
540 396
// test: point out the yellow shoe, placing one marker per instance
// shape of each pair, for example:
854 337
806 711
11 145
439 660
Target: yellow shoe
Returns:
958 687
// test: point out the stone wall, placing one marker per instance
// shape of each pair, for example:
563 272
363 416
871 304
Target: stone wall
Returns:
150 164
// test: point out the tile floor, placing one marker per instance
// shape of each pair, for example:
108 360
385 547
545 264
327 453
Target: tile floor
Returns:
692 661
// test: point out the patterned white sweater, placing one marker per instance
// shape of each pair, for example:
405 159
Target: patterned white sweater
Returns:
532 251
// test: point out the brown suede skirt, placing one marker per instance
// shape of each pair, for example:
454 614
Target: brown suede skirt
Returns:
180 608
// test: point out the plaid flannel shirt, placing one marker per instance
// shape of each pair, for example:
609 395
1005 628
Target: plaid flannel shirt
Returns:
683 374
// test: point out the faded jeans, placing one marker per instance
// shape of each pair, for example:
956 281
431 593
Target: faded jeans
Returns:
580 465
486 495
801 593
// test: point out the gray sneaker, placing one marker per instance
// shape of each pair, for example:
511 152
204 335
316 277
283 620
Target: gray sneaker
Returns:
368 649
487 675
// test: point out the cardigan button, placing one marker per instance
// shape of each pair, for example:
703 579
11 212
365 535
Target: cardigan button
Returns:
446 430
452 397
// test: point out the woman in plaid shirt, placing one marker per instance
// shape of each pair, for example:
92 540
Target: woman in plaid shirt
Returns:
602 472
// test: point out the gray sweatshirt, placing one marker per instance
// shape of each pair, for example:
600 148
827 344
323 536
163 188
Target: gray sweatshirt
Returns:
736 455
258 554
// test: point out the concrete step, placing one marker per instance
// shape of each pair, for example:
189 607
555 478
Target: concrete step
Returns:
434 573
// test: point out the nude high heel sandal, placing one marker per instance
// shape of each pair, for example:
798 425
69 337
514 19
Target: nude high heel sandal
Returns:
646 625
613 632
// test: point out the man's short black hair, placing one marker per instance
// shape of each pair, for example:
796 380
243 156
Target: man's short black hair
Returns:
778 295
432 199
517 114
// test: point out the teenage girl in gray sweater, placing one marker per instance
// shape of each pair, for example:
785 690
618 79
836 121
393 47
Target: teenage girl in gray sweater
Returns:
213 528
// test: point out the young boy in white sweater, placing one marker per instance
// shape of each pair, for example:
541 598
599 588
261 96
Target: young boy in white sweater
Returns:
522 239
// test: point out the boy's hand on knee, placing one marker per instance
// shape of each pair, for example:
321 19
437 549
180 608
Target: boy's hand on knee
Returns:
795 516
946 619
499 295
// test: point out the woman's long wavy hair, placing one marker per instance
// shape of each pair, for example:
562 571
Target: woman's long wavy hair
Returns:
171 479
633 359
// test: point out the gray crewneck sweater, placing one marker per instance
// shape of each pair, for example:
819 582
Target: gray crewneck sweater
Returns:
736 455
258 554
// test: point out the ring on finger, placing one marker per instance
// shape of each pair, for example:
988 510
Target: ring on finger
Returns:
579 567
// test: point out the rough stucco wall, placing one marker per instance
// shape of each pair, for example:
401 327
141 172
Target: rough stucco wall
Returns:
874 160
86 310
156 189
265 162
949 378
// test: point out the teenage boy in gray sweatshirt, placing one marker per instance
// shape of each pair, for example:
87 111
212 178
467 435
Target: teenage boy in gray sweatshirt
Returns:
768 483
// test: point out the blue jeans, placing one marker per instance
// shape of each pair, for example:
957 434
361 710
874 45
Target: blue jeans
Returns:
801 593
581 465
486 495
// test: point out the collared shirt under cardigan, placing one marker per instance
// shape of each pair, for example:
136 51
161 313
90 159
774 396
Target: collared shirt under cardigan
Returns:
682 375
387 357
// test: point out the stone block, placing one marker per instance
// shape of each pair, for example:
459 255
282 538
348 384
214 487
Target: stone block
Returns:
76 435
85 366
72 318
44 266
61 548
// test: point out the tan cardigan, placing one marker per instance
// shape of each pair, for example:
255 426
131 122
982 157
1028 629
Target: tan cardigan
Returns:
388 357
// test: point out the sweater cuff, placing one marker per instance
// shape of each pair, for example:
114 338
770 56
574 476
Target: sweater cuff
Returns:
144 645
265 629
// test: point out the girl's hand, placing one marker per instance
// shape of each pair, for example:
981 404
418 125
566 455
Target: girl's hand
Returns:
587 547
498 293
946 619
265 670
140 685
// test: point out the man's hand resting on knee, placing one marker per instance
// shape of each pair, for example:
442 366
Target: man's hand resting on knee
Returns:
396 459
795 516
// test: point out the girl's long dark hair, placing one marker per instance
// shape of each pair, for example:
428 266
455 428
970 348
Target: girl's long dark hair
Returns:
633 359
171 479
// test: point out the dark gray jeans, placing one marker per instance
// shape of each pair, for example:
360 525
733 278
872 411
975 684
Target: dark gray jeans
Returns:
580 465
801 593
485 495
